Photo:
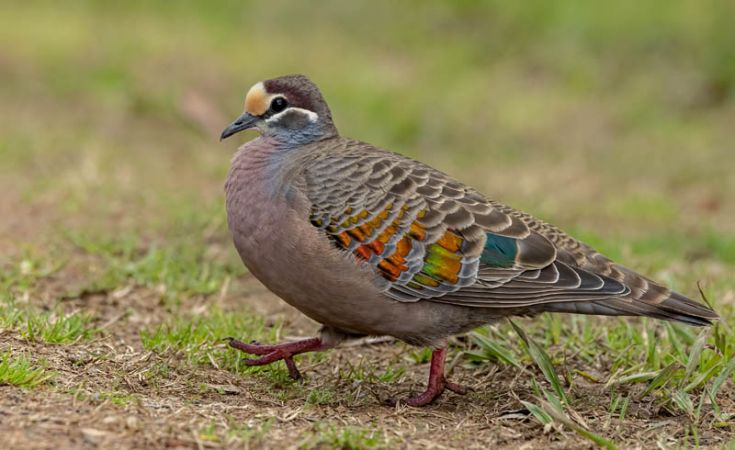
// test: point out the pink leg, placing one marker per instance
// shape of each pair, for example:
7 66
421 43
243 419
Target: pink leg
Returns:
273 353
437 382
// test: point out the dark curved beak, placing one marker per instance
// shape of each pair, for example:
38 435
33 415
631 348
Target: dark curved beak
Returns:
244 122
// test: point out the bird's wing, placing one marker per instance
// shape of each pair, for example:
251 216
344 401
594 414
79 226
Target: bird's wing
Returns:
433 238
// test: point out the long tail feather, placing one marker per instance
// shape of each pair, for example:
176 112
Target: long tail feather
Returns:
674 307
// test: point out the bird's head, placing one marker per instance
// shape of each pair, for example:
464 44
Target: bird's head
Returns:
288 108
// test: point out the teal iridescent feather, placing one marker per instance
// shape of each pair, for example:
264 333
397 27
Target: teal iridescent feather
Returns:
500 251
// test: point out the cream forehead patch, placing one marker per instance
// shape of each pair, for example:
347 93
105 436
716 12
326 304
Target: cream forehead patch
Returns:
257 100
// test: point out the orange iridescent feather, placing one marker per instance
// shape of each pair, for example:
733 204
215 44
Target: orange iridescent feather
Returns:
442 258
450 241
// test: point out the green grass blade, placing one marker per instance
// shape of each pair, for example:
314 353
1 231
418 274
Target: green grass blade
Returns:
663 377
702 378
18 371
721 378
695 354
562 418
494 352
542 360
538 413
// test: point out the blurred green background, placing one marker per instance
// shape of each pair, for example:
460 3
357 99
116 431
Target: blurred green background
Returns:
613 120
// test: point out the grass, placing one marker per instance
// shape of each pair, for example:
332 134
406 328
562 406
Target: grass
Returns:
678 370
116 266
176 268
54 327
201 339
18 370
237 435
320 396
348 438
57 329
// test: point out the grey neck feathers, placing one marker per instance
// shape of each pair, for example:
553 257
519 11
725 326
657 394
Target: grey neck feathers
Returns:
294 137
272 162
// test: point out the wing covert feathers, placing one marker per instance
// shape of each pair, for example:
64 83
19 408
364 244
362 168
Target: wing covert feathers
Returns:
432 238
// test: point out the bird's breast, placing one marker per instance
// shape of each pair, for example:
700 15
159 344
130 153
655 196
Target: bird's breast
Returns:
276 241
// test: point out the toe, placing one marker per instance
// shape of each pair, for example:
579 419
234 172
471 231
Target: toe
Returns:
456 388
293 371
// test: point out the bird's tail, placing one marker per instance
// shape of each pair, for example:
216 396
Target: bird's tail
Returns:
646 298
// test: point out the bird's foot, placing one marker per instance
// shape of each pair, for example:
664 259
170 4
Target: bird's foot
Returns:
437 383
272 353
429 395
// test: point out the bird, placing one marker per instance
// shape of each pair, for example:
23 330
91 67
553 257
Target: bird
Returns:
368 242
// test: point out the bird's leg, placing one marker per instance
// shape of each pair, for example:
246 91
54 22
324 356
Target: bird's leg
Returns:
437 382
272 353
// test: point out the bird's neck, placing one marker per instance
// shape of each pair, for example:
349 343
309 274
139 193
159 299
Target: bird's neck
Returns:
288 137
266 163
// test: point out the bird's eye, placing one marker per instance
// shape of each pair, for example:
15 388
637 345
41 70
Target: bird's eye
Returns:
278 104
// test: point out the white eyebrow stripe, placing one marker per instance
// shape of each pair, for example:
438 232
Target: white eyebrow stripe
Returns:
313 117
